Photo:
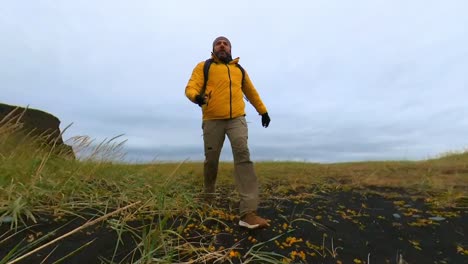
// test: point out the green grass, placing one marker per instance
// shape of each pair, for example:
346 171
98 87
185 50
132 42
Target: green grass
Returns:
35 180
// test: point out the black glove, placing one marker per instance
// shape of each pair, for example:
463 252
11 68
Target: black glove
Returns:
200 100
265 120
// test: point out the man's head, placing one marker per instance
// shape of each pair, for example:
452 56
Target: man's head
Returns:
222 49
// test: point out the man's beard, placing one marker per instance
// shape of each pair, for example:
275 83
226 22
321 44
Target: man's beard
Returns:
223 56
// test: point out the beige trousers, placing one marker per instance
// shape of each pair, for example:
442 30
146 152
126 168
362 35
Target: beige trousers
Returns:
214 132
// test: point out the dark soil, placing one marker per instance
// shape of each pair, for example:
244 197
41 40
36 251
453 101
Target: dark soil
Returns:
354 226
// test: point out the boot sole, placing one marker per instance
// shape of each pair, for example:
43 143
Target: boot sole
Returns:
247 225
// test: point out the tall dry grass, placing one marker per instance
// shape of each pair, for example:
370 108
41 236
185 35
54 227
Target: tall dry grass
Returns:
36 178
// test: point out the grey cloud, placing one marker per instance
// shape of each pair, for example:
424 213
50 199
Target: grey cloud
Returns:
342 81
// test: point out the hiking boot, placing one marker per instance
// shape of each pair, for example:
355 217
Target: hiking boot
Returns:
252 220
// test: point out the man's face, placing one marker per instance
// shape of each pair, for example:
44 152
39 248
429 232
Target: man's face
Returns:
221 49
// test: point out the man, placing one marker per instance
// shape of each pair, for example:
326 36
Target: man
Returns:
223 109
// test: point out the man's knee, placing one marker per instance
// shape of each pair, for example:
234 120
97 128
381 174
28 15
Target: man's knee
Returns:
212 157
240 150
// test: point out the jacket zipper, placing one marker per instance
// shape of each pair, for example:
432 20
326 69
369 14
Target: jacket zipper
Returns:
230 92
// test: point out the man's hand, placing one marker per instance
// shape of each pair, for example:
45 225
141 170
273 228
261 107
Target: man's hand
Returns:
265 120
200 100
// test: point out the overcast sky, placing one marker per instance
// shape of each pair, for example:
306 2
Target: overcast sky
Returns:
342 80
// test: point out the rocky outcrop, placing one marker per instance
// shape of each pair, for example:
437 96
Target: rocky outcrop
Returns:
39 125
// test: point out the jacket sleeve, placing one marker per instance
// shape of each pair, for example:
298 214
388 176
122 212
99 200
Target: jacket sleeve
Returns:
252 95
195 83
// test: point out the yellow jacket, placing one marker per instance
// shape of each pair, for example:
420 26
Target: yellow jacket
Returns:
224 90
